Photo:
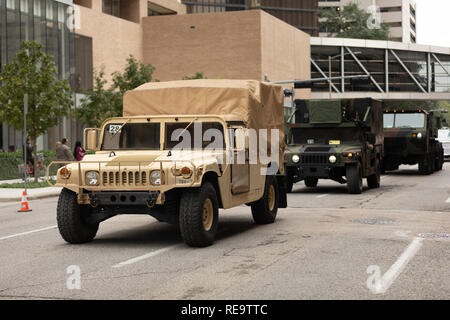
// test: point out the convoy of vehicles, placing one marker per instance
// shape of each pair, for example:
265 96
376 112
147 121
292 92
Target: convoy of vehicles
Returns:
411 137
184 149
341 140
157 159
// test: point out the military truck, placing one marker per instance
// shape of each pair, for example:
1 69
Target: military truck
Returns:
410 137
139 167
341 140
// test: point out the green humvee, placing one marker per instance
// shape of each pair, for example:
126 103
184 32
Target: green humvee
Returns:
411 137
341 140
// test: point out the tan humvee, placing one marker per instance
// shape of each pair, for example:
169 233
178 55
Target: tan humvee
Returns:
157 159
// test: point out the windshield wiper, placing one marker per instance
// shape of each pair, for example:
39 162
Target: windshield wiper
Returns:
187 127
120 128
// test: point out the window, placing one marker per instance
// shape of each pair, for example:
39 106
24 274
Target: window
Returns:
176 135
404 120
156 10
388 120
132 136
112 7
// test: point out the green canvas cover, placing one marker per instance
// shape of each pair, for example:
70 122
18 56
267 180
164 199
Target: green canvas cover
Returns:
324 111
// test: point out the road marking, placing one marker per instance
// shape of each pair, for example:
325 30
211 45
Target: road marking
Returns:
448 200
143 257
28 232
322 196
383 284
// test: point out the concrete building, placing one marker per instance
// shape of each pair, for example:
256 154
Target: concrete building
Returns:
400 15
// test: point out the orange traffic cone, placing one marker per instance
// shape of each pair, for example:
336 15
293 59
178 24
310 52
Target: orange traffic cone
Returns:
24 204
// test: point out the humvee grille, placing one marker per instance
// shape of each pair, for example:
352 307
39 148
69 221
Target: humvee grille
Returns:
314 158
125 178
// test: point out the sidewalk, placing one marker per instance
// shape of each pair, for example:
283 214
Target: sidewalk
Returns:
11 194
15 194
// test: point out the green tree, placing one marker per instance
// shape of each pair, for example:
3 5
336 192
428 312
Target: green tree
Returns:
135 74
197 75
34 73
103 102
351 22
100 103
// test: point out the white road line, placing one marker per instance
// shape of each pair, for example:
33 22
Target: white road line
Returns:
145 256
448 200
322 196
397 268
28 232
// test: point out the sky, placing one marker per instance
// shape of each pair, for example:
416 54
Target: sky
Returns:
433 22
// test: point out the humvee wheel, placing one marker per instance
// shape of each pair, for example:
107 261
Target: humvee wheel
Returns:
199 215
289 186
373 181
311 182
71 218
439 159
354 178
265 210
427 165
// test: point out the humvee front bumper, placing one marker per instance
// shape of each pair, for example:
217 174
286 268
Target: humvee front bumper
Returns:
124 198
117 180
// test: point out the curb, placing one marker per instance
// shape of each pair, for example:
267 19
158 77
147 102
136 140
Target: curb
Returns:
32 197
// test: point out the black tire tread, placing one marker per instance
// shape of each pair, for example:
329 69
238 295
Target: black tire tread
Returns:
69 216
190 219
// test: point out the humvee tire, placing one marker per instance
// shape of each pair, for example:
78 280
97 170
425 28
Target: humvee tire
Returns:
71 219
373 181
265 210
199 215
427 165
439 158
289 185
311 182
354 178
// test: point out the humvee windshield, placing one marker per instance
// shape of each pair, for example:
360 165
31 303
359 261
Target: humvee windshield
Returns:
404 120
196 135
132 136
325 136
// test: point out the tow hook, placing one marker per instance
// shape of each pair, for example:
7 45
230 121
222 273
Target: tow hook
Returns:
153 196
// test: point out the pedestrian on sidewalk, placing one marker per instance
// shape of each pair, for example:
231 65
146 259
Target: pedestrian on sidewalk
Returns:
78 151
63 151
29 160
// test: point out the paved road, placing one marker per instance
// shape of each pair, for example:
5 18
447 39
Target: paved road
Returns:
321 247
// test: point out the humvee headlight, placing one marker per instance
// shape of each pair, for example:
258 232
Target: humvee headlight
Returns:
186 172
419 135
92 178
155 177
295 158
332 159
64 173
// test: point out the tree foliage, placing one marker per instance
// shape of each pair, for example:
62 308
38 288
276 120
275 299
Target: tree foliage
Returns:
197 75
351 22
100 103
33 72
103 102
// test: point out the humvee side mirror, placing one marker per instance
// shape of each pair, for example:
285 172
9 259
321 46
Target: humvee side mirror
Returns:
371 137
91 139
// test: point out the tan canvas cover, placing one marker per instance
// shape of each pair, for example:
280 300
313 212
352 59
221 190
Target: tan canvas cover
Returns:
258 104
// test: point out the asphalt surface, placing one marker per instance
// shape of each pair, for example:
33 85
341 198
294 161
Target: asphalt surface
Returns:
388 243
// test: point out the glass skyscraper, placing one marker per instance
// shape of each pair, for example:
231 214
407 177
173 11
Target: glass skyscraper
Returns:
46 22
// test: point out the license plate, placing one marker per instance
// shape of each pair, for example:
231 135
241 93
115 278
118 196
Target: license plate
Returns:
334 142
183 181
